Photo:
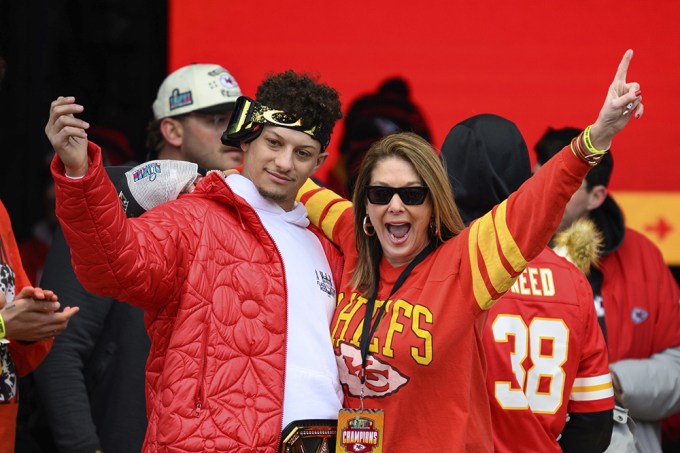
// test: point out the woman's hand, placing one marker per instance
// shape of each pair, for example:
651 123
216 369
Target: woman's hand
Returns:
32 315
624 99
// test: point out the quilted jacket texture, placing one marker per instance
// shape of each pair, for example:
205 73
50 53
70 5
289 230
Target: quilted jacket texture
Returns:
212 284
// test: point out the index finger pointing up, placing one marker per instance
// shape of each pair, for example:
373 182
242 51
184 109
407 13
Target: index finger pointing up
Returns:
622 71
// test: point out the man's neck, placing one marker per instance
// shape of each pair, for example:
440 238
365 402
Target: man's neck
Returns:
170 153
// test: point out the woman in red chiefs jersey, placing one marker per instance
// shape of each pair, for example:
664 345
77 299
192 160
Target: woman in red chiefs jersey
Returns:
416 284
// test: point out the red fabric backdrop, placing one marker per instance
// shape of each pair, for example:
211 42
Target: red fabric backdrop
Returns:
538 63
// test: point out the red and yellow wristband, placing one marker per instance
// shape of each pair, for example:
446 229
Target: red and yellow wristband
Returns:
583 149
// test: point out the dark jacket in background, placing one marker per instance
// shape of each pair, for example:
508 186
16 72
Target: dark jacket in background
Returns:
89 391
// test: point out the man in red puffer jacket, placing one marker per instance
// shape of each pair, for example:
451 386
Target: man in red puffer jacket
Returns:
238 291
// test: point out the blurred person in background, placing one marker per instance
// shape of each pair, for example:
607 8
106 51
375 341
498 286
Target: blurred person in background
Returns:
191 111
370 117
636 300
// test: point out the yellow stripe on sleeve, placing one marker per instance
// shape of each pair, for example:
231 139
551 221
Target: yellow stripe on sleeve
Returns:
508 245
500 278
482 295
592 388
491 236
308 186
324 207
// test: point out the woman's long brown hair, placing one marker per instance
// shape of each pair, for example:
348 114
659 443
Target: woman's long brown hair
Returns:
422 156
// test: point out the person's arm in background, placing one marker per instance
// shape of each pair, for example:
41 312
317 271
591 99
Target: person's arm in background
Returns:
29 327
650 387
587 432
30 317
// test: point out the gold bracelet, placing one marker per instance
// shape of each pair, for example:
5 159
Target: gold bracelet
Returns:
3 331
571 146
579 148
589 145
576 149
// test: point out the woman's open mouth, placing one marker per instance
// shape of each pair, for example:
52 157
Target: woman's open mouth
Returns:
398 232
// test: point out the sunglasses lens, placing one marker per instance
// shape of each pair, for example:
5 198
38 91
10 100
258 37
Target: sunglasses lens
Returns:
413 195
380 195
408 195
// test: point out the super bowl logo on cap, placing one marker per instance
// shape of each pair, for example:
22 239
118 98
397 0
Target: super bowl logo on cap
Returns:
178 99
148 171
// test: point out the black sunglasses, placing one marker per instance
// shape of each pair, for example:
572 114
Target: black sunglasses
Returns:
411 195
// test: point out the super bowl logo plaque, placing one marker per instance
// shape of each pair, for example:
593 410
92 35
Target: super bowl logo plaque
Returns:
360 431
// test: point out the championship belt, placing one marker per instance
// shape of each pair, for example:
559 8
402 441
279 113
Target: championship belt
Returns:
309 436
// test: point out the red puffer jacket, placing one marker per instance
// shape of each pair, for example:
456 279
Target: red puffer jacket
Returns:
212 284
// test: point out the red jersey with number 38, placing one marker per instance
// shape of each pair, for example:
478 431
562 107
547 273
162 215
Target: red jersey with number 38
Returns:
546 356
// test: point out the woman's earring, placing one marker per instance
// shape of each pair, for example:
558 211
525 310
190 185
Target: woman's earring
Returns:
367 224
434 231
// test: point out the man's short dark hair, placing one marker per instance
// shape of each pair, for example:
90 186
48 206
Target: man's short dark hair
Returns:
301 95
154 141
553 140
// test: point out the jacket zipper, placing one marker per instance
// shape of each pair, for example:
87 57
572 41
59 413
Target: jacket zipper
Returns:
201 375
285 344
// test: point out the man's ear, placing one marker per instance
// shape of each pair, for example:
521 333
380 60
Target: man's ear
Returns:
320 160
596 197
172 131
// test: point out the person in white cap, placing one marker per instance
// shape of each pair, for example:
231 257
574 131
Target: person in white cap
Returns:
191 111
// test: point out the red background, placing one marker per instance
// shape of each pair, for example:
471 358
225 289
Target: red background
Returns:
538 63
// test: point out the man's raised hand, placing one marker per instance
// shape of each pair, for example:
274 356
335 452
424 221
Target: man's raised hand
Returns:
67 134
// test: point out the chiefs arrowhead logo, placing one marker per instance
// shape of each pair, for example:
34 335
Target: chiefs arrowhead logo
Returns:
382 379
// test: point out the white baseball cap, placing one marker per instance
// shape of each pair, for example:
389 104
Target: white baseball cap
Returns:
152 183
197 87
